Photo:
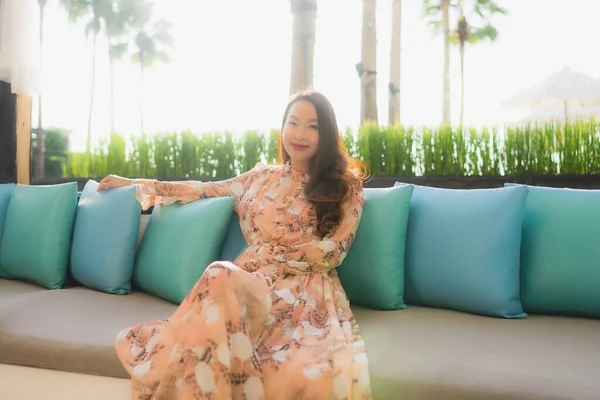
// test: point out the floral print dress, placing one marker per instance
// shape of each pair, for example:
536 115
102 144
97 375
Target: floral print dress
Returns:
276 323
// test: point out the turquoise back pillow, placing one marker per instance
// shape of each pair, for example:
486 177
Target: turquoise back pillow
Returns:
179 243
372 273
104 238
37 234
463 250
5 195
6 191
234 243
560 254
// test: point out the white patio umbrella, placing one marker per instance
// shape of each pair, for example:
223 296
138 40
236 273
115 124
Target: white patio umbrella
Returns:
555 113
564 89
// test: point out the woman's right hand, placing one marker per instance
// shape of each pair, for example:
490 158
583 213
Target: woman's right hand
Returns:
113 181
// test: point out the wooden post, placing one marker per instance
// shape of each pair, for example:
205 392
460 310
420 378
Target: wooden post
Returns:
23 139
8 143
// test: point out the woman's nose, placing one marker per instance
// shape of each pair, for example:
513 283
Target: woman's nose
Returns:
301 134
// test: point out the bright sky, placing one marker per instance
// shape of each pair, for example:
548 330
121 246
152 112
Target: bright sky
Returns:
230 68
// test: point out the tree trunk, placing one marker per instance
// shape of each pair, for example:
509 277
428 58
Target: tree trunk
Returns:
88 145
394 87
303 43
368 77
142 94
111 64
40 154
462 84
446 118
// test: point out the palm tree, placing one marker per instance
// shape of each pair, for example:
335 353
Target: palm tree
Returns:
303 43
116 27
120 20
394 85
484 11
367 68
437 12
94 12
151 41
40 154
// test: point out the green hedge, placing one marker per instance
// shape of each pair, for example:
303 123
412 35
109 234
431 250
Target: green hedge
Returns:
396 151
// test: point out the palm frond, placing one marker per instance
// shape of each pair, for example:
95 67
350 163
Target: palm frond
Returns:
480 26
118 50
164 37
163 56
92 27
488 32
496 9
76 9
454 38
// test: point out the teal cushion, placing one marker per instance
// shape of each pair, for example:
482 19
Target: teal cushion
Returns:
372 273
105 237
37 234
5 195
560 254
180 241
462 250
6 191
234 243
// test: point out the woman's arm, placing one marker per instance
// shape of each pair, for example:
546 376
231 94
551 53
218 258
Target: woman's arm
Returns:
322 255
151 192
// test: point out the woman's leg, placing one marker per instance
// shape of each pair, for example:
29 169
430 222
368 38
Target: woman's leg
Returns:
317 353
207 348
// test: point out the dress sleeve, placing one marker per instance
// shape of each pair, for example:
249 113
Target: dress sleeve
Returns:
329 252
150 192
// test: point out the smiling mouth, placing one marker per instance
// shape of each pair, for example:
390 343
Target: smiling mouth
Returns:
299 147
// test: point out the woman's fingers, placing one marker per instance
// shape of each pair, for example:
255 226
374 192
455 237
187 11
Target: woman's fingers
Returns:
112 181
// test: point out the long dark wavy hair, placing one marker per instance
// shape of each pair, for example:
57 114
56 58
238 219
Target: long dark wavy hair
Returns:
332 170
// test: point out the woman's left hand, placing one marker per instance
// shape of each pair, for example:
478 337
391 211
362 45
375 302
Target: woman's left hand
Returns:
113 181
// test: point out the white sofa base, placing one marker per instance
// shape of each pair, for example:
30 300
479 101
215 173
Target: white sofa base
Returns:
26 383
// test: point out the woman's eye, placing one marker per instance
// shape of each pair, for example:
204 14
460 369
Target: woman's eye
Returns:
315 127
291 123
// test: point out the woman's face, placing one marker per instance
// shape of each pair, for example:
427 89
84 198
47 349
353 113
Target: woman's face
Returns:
300 134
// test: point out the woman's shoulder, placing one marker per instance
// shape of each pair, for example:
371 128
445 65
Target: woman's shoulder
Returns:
355 178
